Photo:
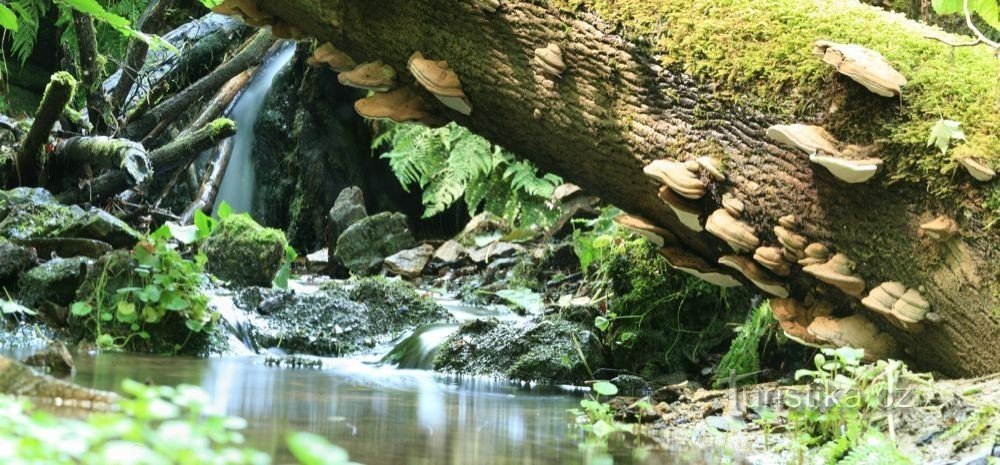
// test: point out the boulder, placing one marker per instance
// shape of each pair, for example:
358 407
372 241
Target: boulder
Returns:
409 263
245 253
540 350
338 320
54 359
494 251
450 251
14 259
33 213
55 281
364 245
348 209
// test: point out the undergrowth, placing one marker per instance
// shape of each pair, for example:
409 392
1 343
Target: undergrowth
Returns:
741 363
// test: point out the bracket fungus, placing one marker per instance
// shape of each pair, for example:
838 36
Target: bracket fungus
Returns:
838 272
816 254
854 331
650 231
809 139
940 229
687 211
794 244
399 106
772 259
285 30
865 66
978 170
442 81
788 222
677 177
332 57
712 167
736 233
794 319
848 170
375 76
550 59
758 276
246 9
904 308
488 5
732 205
684 261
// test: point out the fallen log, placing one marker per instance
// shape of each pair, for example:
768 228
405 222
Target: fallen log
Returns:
650 80
28 161
163 160
251 55
151 20
205 198
98 110
104 153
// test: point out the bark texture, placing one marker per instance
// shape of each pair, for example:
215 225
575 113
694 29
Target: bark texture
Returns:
29 160
645 83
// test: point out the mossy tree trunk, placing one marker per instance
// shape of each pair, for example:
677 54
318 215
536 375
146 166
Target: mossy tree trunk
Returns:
652 79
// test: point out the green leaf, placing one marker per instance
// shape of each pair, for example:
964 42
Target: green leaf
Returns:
525 298
943 132
194 326
81 309
602 323
225 210
8 20
126 308
604 388
8 307
601 428
184 234
944 7
205 224
312 449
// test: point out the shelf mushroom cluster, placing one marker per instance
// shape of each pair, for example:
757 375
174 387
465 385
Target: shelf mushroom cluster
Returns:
904 308
251 14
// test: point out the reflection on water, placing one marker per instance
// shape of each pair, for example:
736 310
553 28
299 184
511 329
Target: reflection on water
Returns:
380 415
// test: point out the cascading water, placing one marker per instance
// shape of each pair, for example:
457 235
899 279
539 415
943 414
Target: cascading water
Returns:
237 187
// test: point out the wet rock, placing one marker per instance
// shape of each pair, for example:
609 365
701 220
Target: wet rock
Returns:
32 213
245 253
55 281
19 380
535 350
14 259
337 321
409 263
494 251
348 209
449 252
483 224
67 247
363 247
54 359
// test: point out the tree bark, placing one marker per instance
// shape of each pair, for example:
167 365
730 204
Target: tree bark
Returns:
104 153
91 63
28 162
251 55
649 80
135 56
163 159
205 198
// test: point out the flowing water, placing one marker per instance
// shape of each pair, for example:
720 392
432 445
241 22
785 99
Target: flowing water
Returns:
237 187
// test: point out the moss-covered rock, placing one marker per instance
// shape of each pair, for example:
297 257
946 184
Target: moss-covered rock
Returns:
55 281
14 259
338 320
363 247
541 350
33 213
245 253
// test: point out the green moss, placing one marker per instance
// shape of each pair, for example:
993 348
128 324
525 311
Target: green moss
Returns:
756 50
244 252
222 125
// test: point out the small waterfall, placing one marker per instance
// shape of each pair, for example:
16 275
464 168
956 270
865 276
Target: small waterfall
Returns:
417 350
237 324
237 187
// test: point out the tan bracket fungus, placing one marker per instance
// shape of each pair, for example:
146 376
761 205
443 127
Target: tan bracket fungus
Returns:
865 66
399 106
678 177
739 235
977 170
772 259
940 229
795 318
332 57
442 81
757 275
732 205
904 308
375 76
838 272
712 167
247 10
285 30
816 254
687 211
854 331
650 231
824 150
550 59
793 244
684 261
809 139
848 170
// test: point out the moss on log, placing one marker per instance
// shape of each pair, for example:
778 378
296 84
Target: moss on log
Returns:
649 79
